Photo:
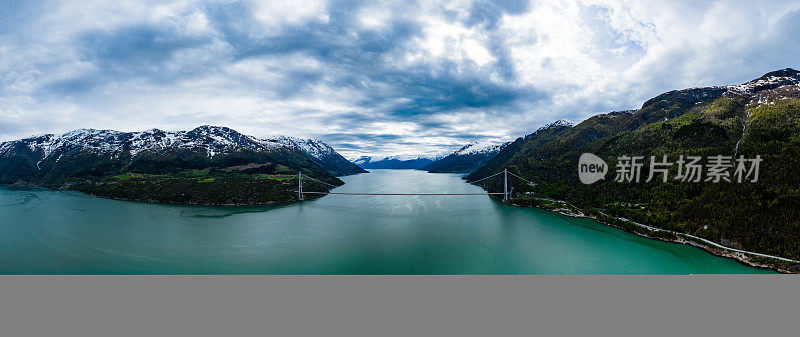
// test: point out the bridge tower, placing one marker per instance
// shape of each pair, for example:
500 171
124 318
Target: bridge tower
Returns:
300 185
505 184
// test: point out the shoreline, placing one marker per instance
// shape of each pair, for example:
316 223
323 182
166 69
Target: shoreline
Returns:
269 203
741 256
160 202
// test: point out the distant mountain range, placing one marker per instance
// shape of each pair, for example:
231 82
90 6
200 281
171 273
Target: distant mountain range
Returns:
757 118
395 162
88 159
466 159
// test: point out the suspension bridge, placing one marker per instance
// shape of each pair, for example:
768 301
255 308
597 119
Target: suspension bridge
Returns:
507 188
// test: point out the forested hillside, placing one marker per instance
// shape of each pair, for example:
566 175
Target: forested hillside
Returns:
758 118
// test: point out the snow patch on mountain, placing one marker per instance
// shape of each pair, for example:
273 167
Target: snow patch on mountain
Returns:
773 80
311 147
556 124
480 148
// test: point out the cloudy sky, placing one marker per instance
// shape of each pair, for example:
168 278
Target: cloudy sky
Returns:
367 77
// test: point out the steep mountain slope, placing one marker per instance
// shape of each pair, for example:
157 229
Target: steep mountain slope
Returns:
466 159
217 160
395 162
500 160
757 118
322 154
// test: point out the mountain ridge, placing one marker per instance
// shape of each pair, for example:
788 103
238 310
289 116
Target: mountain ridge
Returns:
206 165
466 159
395 162
323 154
212 140
757 118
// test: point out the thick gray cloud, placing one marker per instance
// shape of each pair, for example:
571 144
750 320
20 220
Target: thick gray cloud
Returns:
367 77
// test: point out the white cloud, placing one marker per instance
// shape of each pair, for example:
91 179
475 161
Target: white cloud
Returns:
274 13
383 78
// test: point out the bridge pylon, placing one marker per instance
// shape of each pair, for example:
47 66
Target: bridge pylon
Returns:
505 184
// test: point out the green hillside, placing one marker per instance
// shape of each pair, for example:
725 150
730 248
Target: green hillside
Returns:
762 117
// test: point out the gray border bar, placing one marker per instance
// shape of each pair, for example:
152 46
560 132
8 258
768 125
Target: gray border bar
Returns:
734 305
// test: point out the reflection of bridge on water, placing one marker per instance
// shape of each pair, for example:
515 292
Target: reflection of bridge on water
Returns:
507 189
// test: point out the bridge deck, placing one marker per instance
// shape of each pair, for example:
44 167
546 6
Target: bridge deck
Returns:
348 193
505 193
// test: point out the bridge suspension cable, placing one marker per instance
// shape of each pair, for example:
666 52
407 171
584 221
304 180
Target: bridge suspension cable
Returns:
491 176
506 193
319 181
526 180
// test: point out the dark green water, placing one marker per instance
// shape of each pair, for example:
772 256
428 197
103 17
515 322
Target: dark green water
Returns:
52 232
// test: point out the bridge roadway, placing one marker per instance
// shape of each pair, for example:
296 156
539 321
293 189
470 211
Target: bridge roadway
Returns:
347 193
505 192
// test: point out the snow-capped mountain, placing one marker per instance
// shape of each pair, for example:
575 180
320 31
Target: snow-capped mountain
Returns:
772 80
211 139
321 153
479 148
395 162
565 123
768 89
101 152
467 158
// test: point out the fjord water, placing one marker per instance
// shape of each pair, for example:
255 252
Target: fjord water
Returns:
56 232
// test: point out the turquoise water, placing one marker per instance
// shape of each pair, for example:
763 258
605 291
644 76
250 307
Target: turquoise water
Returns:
56 232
